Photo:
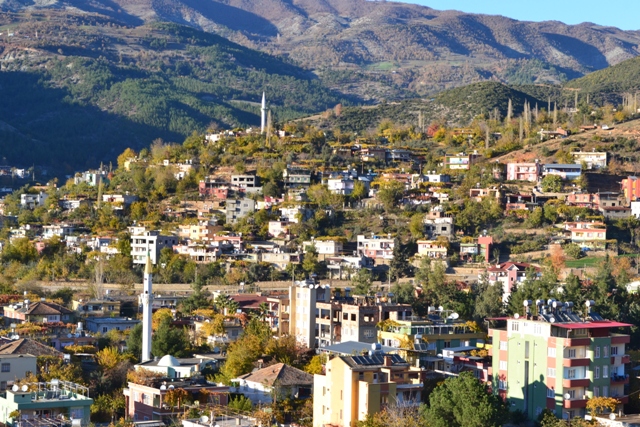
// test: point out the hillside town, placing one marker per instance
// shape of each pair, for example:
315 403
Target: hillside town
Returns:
346 284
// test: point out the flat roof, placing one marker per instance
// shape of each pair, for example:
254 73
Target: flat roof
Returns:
591 325
111 320
354 348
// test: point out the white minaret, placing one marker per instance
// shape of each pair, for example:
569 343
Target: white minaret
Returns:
147 300
263 123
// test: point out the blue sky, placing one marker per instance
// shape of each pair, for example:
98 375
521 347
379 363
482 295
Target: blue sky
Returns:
622 14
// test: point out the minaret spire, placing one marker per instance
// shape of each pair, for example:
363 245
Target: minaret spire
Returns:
263 111
147 300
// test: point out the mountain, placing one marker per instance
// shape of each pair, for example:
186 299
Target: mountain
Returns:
80 88
385 50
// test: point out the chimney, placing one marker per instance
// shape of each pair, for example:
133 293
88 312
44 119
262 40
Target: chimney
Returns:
388 361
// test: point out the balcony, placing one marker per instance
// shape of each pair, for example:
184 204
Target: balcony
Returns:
624 359
578 361
619 379
620 339
574 383
575 403
577 342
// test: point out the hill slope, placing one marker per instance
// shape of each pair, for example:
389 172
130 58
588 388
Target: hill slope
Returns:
87 87
428 50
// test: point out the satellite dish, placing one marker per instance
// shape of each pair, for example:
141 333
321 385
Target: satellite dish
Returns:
440 308
612 416
25 387
163 387
552 320
204 419
567 396
69 335
516 316
171 387
455 316
15 387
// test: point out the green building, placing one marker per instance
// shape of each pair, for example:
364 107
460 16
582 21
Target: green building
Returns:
46 404
557 360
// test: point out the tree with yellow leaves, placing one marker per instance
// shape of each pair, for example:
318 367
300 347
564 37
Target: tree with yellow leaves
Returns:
597 405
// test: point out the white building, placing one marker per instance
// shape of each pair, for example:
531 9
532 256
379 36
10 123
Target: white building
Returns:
343 186
59 230
32 201
593 159
376 247
15 367
91 177
324 247
151 242
302 307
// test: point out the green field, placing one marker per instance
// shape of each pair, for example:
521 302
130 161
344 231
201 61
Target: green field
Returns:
584 262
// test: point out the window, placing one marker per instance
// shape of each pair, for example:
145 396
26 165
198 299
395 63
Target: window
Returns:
605 372
551 393
596 373
369 333
515 326
614 351
502 385
6 367
551 372
537 329
571 374
605 391
605 350
105 329
551 352
597 352
572 394
447 344
503 365
571 353
596 392
504 345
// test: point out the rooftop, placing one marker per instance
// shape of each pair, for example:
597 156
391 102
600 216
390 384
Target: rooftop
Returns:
354 348
284 374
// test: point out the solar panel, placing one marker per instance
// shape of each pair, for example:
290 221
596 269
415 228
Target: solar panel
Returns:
595 316
420 346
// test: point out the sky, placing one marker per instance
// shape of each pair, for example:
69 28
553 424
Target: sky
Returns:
622 13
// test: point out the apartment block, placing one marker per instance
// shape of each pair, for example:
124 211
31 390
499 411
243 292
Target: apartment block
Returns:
554 357
461 160
631 189
376 247
523 172
237 209
150 242
593 159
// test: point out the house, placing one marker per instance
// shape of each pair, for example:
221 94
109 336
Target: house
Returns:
119 200
524 172
279 228
90 177
564 171
106 324
40 404
145 400
32 201
239 208
296 213
508 275
246 183
594 200
461 161
631 188
341 185
73 204
556 358
516 202
478 194
28 346
201 232
281 260
355 387
296 178
432 176
279 381
200 253
437 223
398 155
96 307
435 249
586 232
15 367
324 248
38 312
593 159
59 230
379 248
468 251
349 265
553 134
213 187
150 243
373 154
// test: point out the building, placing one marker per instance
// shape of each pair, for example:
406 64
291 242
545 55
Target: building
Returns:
32 201
564 171
340 185
15 367
150 243
296 178
60 230
39 404
593 159
357 386
201 253
73 204
555 358
104 325
378 248
145 399
435 249
461 160
212 187
91 177
38 312
279 228
247 183
324 248
437 223
596 201
239 208
478 194
279 381
280 259
524 172
172 367
99 308
508 275
631 189
586 232
303 298
28 346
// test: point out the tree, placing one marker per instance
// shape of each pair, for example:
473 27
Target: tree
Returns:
170 340
177 397
359 190
399 265
464 401
597 405
489 300
134 341
362 281
316 364
390 193
416 226
573 250
241 404
310 261
551 183
126 155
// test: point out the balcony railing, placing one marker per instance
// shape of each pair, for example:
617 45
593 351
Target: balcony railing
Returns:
576 361
574 382
575 403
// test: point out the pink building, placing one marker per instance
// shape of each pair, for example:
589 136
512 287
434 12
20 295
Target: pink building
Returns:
523 172
508 274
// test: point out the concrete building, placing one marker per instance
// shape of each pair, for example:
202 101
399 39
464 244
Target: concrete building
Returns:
96 308
554 357
303 299
432 249
564 171
14 367
340 185
524 172
437 223
296 178
357 386
90 177
278 381
38 312
151 243
60 230
32 201
508 274
631 189
239 208
378 248
104 325
586 232
247 183
461 161
593 159
40 403
324 248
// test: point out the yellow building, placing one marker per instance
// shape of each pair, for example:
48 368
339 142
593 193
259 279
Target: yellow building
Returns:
355 386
